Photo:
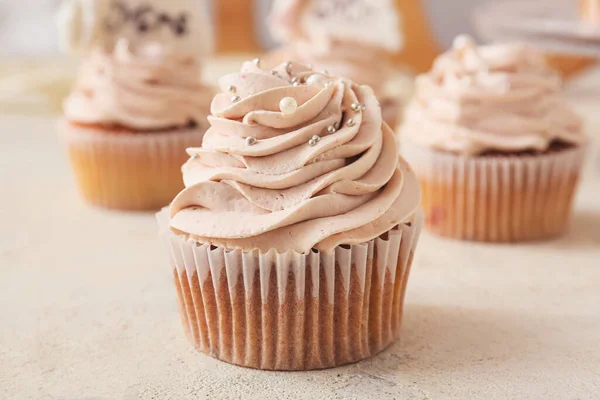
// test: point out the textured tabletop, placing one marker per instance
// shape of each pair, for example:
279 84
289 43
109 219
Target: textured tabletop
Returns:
88 310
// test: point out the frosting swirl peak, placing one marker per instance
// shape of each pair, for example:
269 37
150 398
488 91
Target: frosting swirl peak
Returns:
322 172
500 97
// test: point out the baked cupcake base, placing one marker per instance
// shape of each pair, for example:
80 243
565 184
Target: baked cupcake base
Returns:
292 311
497 198
125 170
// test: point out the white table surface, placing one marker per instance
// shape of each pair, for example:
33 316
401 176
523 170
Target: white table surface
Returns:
88 310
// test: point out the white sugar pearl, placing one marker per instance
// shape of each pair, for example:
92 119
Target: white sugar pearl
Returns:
316 79
462 42
288 105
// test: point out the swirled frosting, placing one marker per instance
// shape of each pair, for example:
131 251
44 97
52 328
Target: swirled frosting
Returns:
502 98
146 89
322 174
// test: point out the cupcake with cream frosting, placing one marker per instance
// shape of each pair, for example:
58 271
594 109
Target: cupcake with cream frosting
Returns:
353 40
497 150
293 239
138 101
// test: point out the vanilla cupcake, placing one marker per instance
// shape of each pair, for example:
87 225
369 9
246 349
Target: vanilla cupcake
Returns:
292 242
355 41
497 151
138 102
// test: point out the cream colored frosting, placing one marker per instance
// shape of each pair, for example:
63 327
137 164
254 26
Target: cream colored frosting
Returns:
349 60
258 183
146 89
500 97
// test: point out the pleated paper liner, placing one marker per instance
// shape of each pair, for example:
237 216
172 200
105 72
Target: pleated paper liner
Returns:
129 171
497 198
292 311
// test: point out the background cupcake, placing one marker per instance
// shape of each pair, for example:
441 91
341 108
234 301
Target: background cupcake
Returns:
292 242
138 101
497 151
353 40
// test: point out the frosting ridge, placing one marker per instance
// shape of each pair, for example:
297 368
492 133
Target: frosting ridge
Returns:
147 88
326 174
501 97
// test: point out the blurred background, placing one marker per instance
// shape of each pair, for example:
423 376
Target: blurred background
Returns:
35 76
27 26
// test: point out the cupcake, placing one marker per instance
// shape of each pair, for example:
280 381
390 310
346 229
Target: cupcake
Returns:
354 40
497 151
138 102
291 244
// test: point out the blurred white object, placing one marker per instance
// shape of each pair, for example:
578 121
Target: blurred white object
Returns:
369 22
552 25
80 24
178 25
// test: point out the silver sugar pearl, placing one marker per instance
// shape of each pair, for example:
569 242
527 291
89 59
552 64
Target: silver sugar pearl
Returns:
314 140
336 125
250 141
350 122
256 61
235 98
288 67
231 88
355 107
331 129
297 83
295 80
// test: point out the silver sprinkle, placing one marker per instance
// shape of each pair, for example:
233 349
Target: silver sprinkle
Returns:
325 72
288 67
297 83
295 80
231 88
331 129
363 107
256 61
336 125
350 122
235 98
250 141
314 140
195 157
355 107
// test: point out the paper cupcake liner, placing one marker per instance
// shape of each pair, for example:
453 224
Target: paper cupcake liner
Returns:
291 311
129 171
497 198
